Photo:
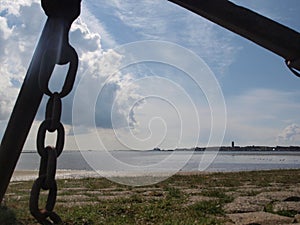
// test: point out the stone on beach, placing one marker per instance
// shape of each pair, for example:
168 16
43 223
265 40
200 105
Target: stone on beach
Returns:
262 218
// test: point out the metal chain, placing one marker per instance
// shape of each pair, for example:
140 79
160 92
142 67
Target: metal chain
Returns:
49 154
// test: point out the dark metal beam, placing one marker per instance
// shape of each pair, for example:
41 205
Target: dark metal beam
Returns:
61 14
265 32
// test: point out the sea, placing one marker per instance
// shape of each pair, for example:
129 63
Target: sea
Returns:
141 168
184 161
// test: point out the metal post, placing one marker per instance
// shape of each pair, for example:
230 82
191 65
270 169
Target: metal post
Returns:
61 14
265 32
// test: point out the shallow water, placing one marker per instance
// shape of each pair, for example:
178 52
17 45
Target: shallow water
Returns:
163 161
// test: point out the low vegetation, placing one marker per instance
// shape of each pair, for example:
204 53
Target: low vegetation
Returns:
181 199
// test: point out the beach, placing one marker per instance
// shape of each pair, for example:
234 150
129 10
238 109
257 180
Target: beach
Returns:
27 175
254 197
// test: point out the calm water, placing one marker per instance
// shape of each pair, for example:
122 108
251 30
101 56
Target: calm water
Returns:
161 161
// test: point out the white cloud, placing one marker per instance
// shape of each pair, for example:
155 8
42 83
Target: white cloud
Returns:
17 28
255 117
13 7
163 20
289 135
5 30
99 83
86 40
20 28
95 25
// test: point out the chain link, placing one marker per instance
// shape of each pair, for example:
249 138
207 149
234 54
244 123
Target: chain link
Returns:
48 62
53 112
60 140
49 154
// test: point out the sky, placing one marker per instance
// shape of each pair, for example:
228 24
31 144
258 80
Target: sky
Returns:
153 74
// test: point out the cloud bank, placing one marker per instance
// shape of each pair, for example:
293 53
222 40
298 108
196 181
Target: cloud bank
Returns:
163 20
290 135
17 23
258 116
20 25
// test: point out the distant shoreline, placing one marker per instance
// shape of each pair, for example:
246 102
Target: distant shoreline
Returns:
252 148
202 149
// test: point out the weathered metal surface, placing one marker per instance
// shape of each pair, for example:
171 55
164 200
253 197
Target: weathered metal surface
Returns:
265 32
61 14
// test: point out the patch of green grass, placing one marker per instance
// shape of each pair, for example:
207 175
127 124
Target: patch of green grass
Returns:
251 193
161 203
156 193
288 213
217 193
7 216
269 208
135 198
173 192
207 208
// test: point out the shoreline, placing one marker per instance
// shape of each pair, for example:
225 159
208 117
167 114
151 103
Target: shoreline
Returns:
30 175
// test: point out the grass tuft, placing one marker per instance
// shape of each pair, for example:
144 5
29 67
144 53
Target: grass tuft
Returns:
218 193
7 216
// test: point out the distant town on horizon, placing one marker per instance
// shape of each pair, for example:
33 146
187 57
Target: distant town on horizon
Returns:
239 148
232 148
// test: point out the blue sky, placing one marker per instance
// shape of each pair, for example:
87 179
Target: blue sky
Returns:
135 108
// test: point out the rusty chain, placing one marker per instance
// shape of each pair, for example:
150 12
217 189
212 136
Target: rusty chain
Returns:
49 154
58 52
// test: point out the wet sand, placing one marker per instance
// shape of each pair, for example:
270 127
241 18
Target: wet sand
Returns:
26 175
